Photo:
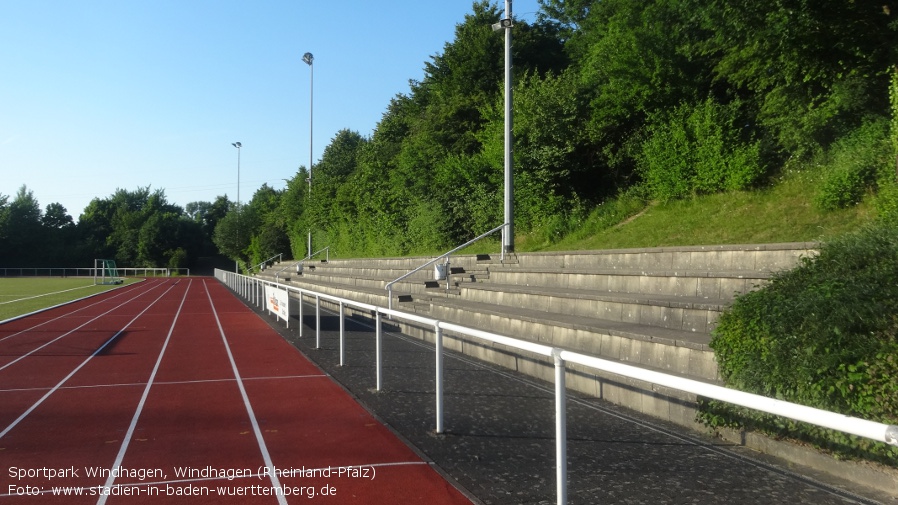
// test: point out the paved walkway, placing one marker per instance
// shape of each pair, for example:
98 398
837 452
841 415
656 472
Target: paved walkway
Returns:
499 445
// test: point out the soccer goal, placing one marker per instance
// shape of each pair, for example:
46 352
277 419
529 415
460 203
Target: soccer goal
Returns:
105 272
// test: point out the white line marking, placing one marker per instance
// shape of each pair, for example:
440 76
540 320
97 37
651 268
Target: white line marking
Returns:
275 482
143 400
170 383
44 294
119 292
79 367
20 358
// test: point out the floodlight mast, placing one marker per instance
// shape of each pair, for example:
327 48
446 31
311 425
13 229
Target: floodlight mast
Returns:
238 145
308 58
508 231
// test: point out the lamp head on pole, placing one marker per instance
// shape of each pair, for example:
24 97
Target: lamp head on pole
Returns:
308 58
236 144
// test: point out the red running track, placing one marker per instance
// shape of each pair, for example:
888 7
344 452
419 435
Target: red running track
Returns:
173 391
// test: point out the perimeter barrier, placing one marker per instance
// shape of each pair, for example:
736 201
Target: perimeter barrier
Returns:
259 291
89 271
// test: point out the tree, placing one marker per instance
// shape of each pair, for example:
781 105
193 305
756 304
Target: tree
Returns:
207 215
23 234
139 228
56 216
815 68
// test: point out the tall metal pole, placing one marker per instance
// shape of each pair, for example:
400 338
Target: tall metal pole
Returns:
238 145
309 58
508 233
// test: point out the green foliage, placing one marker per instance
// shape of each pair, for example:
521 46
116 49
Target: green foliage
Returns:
138 229
698 150
635 63
813 69
823 335
854 164
893 130
887 198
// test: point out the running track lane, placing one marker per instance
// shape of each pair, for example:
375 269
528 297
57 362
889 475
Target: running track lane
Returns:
219 392
75 419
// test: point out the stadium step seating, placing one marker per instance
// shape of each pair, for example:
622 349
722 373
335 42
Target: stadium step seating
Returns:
655 307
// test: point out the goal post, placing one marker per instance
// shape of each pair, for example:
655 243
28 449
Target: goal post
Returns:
105 272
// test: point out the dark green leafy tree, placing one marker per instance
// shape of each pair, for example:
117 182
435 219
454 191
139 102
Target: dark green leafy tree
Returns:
139 228
635 65
24 233
815 69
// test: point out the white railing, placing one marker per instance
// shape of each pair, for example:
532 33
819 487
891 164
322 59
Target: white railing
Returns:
87 272
249 287
261 266
327 258
389 286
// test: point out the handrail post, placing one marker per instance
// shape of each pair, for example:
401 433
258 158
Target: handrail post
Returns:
448 273
560 428
342 335
379 337
300 313
438 344
317 322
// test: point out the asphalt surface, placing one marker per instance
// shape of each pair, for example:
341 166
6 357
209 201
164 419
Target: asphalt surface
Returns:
499 444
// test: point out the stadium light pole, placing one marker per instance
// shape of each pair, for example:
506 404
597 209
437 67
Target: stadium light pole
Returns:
508 231
238 145
308 59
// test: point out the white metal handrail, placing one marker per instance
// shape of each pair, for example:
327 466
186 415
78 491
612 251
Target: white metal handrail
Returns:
868 429
389 286
327 258
260 266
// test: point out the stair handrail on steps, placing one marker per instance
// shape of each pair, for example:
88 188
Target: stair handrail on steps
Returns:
327 258
260 266
389 286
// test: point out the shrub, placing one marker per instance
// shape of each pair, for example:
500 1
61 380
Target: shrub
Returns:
822 335
698 149
854 163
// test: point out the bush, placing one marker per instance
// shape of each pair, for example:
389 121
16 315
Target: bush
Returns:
854 165
698 150
824 335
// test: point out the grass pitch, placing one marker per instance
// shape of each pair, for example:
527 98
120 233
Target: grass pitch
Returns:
23 295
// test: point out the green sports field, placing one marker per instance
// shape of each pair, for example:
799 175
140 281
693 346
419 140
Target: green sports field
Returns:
22 295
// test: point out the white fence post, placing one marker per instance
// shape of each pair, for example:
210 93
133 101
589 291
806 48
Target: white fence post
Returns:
342 335
438 344
317 322
379 337
300 313
560 429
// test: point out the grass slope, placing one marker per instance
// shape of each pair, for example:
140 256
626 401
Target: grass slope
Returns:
783 212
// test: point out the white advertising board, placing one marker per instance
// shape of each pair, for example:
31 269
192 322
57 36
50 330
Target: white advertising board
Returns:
276 300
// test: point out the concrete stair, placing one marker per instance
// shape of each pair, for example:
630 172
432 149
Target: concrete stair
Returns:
654 308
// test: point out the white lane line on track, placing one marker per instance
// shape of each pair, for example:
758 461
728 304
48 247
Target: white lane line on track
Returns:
275 482
20 358
171 383
79 367
118 293
126 441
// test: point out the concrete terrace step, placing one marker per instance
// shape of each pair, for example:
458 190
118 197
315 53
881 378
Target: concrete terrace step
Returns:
763 258
654 308
724 285
662 311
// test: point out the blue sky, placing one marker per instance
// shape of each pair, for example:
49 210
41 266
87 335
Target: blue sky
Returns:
99 95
